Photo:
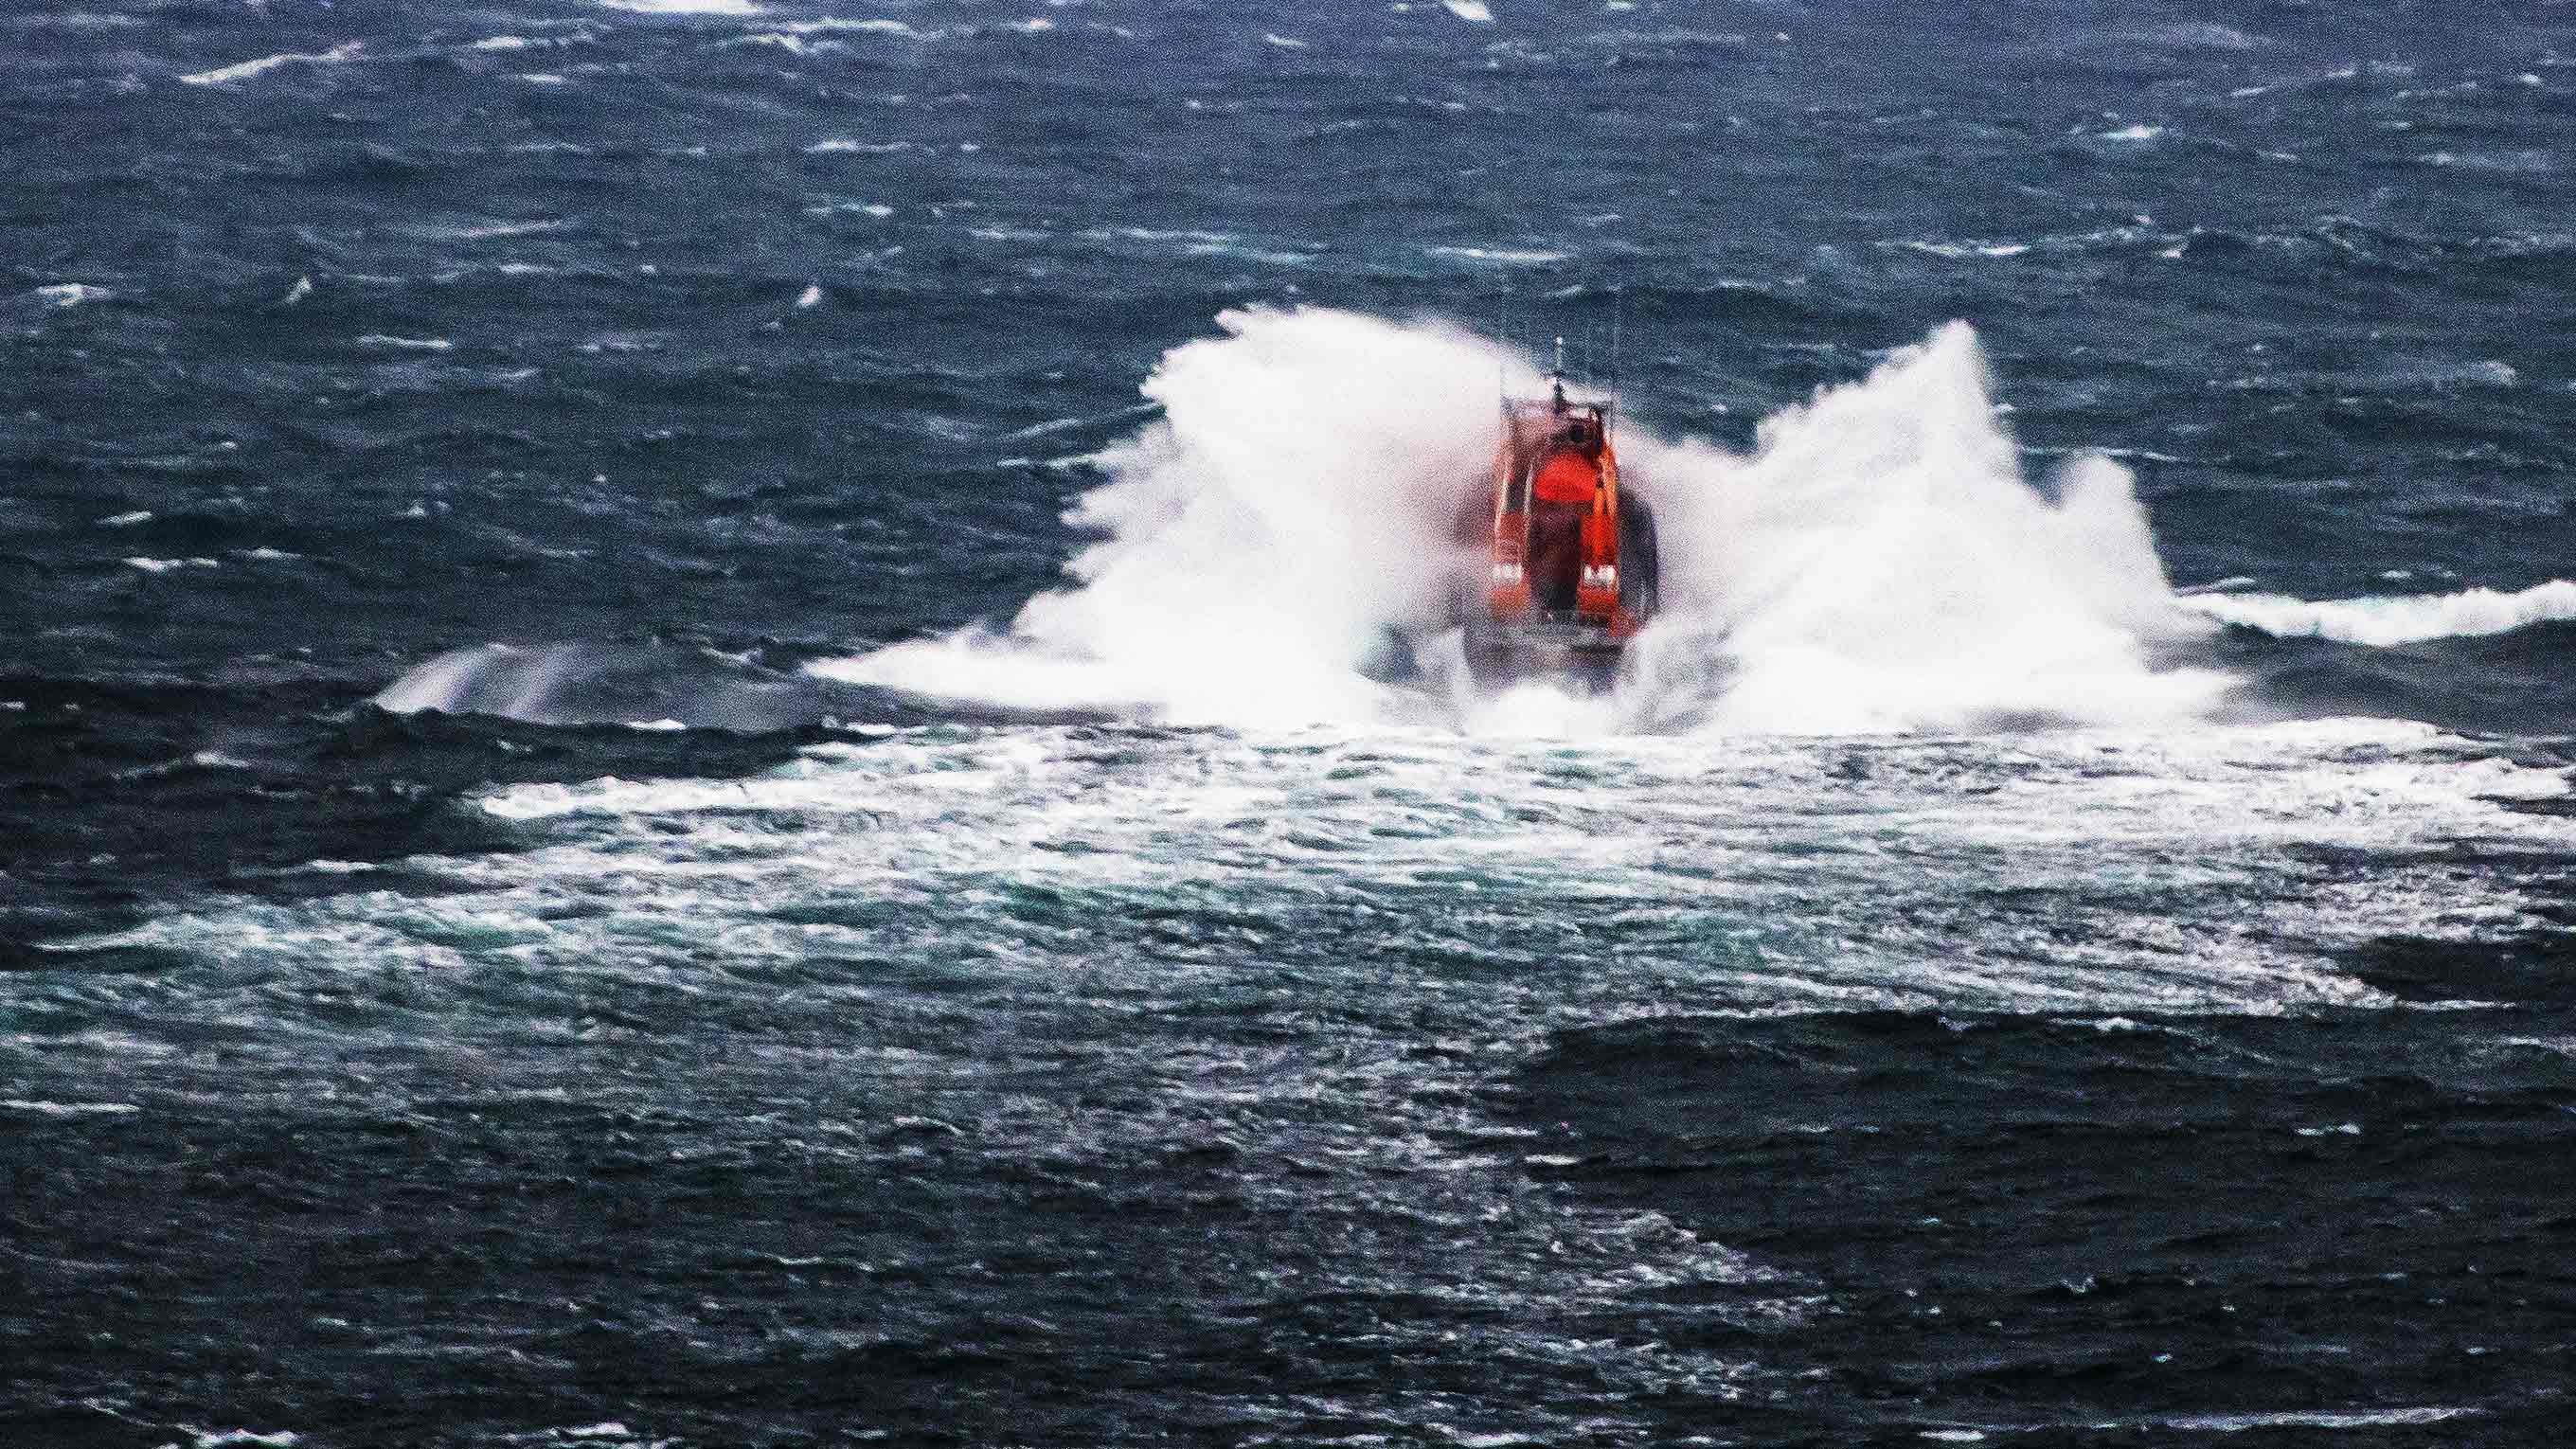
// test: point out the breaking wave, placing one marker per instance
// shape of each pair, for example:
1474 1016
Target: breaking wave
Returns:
2401 619
1879 562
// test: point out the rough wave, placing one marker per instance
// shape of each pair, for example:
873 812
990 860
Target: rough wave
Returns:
1879 563
2402 619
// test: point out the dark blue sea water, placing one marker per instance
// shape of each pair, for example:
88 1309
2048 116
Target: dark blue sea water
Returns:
729 722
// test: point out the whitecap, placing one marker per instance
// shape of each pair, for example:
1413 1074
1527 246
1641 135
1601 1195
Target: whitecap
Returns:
126 520
1474 12
487 230
2200 35
1283 42
838 146
2137 132
168 565
1155 234
2315 1419
416 344
2527 161
1957 250
2389 621
79 20
2489 372
1508 256
244 70
871 26
542 78
71 294
684 7
812 296
67 1109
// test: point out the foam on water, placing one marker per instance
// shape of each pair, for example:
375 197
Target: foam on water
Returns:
1879 563
1750 875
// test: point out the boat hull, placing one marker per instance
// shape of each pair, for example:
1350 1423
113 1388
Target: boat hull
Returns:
1500 655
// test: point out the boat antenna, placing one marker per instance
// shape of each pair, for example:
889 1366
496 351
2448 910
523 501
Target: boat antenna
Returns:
1618 308
1559 373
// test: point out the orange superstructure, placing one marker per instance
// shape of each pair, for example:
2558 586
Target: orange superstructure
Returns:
1559 592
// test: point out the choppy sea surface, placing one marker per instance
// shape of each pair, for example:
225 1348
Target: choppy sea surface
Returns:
727 723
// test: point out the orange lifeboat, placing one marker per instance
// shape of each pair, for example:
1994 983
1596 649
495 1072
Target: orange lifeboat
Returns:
1573 568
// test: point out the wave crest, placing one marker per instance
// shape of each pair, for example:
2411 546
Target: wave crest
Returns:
2384 622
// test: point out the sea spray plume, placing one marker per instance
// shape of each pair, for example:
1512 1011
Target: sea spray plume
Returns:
1294 503
1880 563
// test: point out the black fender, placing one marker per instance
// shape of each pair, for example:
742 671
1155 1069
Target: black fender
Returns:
1641 565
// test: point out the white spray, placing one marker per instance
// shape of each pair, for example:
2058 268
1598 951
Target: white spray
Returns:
1879 563
1293 504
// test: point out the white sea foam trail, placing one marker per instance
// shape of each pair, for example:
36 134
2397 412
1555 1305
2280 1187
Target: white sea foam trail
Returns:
2401 619
1879 562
